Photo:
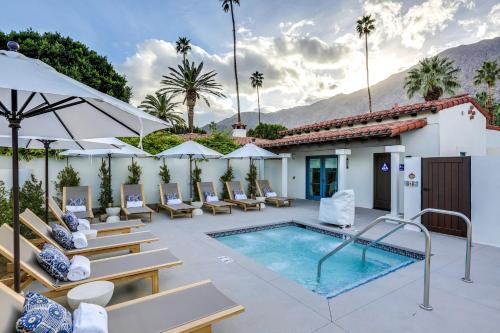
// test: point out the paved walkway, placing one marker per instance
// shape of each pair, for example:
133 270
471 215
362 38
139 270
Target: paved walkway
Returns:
275 304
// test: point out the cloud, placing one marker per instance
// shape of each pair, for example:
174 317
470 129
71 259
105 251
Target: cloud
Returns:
415 25
297 68
481 27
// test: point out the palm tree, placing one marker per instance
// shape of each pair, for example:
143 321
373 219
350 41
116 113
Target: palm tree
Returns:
488 74
162 106
364 27
432 78
183 46
227 6
189 81
257 80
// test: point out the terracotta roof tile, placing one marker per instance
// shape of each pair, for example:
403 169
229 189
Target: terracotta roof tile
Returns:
394 112
371 131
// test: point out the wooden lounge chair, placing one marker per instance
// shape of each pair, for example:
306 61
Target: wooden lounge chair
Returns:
103 229
127 190
129 267
130 242
215 206
165 312
177 210
237 187
264 186
83 193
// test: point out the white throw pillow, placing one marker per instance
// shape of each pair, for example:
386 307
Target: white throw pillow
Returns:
271 194
212 198
134 204
174 201
76 209
240 196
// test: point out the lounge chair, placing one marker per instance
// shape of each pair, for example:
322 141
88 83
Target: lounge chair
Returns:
216 206
103 229
191 308
130 242
81 194
175 210
264 187
136 190
234 187
129 267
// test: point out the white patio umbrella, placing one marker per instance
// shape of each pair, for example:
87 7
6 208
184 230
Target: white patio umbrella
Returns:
189 150
252 152
36 100
125 150
33 142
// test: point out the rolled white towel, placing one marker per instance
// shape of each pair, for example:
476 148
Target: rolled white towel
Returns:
90 234
271 194
83 225
80 240
76 209
174 202
90 318
79 268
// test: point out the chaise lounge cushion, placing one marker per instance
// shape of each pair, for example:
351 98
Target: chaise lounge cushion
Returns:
54 262
41 314
139 210
62 236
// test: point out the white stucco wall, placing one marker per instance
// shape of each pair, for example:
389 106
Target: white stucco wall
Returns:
485 195
423 142
458 133
88 170
493 142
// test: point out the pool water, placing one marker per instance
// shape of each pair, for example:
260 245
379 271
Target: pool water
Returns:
294 251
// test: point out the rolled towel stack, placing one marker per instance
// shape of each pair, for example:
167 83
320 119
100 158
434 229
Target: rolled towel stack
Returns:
271 194
80 240
90 234
83 225
90 318
79 268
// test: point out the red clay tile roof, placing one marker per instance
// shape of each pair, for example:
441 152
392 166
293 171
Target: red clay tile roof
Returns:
371 131
395 112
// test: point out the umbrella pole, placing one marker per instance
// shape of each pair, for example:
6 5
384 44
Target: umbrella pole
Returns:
191 177
46 145
109 169
15 124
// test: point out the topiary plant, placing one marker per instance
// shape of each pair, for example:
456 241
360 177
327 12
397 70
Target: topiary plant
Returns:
5 205
135 171
106 194
226 177
251 179
196 177
66 177
32 197
164 173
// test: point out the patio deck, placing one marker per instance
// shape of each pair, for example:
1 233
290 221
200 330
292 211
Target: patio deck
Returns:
275 304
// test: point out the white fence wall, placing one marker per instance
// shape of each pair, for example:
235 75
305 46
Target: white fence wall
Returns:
88 171
485 193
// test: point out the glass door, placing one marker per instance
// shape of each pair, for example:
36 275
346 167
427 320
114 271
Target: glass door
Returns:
321 177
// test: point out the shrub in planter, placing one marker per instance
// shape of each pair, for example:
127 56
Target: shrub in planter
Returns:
105 194
226 177
135 172
251 179
66 177
5 205
164 173
196 177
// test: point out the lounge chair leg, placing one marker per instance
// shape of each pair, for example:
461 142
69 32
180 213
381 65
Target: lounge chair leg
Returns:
206 329
155 283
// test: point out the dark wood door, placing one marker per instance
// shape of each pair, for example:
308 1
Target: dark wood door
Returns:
446 184
382 181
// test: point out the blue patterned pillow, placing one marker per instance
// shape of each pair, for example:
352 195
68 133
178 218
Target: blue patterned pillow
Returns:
134 198
208 194
171 196
62 236
76 202
54 262
41 314
71 221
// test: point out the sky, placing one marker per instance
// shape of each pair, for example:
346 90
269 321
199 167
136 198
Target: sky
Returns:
306 52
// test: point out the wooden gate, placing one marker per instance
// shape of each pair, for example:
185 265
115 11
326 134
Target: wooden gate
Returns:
446 184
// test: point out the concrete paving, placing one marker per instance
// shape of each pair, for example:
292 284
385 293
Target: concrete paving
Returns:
275 304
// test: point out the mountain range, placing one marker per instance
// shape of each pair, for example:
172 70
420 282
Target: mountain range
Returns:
385 94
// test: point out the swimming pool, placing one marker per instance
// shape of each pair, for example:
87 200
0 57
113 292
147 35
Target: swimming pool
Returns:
293 250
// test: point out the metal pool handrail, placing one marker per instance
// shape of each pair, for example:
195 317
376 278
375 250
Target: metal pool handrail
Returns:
427 268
